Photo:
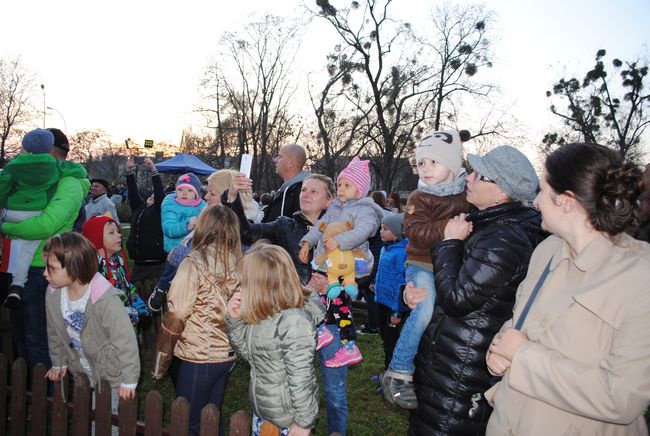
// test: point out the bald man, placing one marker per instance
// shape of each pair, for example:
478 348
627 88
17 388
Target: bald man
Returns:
289 164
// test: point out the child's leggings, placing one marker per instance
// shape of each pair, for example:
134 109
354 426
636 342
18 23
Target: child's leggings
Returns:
338 312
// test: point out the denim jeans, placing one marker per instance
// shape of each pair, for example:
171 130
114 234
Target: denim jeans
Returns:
202 383
334 387
29 322
407 344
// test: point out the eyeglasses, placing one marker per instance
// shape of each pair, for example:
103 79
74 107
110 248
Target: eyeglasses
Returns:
482 178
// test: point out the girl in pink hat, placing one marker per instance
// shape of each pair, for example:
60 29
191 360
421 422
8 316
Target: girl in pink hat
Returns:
352 204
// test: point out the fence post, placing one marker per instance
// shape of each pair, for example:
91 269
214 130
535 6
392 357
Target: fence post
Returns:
153 413
39 400
3 394
240 424
209 420
180 422
60 407
103 410
128 412
18 385
82 401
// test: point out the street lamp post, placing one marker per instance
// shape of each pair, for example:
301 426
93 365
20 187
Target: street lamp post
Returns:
65 126
43 88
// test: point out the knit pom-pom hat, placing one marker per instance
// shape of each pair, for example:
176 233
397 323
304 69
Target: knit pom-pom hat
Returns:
93 230
190 181
358 173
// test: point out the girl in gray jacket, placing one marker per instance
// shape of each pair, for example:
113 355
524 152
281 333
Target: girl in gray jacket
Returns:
272 324
88 330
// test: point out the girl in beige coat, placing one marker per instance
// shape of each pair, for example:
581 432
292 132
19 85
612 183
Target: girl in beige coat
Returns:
580 364
194 326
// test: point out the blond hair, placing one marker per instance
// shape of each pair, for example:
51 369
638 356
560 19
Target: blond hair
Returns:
328 182
269 283
222 179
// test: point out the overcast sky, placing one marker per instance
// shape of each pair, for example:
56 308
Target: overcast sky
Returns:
132 68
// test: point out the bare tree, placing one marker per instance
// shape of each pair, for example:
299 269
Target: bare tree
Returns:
458 48
407 94
87 146
600 110
15 107
341 118
251 91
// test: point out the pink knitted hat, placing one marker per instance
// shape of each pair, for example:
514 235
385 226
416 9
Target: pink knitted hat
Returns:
357 172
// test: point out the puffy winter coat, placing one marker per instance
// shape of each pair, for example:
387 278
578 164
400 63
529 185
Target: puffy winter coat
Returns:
280 350
285 232
364 214
175 219
476 281
390 275
425 219
58 217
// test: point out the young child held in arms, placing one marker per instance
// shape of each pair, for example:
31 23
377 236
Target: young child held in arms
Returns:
104 233
27 184
88 330
388 282
272 324
439 197
179 211
351 204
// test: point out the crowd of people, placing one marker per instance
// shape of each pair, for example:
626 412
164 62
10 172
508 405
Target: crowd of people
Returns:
507 303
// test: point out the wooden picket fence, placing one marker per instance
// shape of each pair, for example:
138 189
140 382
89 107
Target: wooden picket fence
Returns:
74 415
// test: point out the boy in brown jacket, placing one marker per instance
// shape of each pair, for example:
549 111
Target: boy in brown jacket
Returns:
440 196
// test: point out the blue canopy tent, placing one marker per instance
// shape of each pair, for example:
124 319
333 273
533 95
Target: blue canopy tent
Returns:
184 163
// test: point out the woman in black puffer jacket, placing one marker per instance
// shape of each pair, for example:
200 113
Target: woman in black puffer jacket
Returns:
478 268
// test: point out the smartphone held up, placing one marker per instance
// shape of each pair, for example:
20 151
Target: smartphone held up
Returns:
246 164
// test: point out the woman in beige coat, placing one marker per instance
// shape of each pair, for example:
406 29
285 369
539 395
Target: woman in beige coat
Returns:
580 364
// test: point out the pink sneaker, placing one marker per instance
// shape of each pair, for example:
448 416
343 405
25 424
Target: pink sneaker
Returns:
344 357
325 337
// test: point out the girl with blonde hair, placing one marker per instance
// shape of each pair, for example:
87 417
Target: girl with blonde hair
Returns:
193 329
272 324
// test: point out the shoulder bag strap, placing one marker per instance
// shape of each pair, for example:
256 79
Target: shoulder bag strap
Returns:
531 299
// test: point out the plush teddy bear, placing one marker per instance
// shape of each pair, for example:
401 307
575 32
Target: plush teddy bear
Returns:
340 263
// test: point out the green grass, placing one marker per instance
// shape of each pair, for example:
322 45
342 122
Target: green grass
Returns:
369 413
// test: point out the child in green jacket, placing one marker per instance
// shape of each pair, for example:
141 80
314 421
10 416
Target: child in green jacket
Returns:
27 184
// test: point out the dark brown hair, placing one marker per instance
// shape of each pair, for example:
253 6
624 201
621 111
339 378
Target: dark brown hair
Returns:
379 198
605 186
75 253
397 202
